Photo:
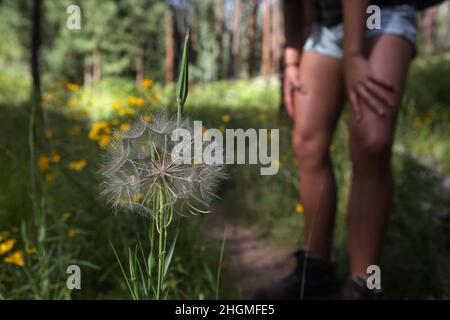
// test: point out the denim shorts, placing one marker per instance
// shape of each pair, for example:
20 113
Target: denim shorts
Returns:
397 20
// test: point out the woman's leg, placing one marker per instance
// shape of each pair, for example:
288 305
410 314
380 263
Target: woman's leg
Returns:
317 110
370 149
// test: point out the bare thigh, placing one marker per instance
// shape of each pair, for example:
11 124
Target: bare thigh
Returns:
318 106
390 57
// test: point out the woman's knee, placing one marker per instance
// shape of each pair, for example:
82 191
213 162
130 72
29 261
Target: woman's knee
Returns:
370 147
311 150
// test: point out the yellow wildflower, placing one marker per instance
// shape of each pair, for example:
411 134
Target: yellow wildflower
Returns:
226 118
98 128
66 216
51 176
299 208
127 112
7 246
72 86
136 101
15 258
148 117
147 83
31 250
116 105
72 233
54 157
104 141
43 162
77 165
124 127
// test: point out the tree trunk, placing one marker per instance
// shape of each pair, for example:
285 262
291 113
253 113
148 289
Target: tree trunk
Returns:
169 45
218 31
139 66
429 28
97 66
35 49
251 39
266 40
234 40
276 37
87 74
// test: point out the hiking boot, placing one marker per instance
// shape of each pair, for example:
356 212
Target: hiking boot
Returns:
320 281
356 289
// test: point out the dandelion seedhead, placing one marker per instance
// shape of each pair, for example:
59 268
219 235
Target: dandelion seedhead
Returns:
139 166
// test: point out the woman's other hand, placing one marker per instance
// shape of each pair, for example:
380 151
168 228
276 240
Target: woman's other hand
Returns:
363 84
291 84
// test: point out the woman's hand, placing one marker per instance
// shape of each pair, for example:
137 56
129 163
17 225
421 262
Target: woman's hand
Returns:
291 84
362 84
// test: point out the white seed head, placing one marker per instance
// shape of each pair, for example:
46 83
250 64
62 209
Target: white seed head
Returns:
138 164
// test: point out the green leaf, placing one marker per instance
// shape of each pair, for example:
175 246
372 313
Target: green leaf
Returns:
170 254
183 78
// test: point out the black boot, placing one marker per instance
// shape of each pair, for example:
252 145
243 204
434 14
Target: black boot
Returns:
356 289
320 281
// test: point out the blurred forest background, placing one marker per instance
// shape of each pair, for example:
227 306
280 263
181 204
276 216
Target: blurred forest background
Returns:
72 88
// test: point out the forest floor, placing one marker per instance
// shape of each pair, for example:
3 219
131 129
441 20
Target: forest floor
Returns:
250 259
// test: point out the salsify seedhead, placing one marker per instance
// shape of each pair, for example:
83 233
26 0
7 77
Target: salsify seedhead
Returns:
139 165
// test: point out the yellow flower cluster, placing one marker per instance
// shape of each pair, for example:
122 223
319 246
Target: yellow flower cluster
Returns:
15 258
100 132
299 208
226 118
66 216
147 83
123 127
72 233
49 177
136 101
6 245
72 86
127 112
77 165
44 160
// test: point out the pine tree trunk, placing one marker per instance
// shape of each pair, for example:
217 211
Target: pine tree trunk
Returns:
87 74
218 31
429 28
169 43
97 66
234 40
139 66
251 39
266 40
276 37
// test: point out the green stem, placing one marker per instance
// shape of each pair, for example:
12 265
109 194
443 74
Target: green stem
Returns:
179 115
160 243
